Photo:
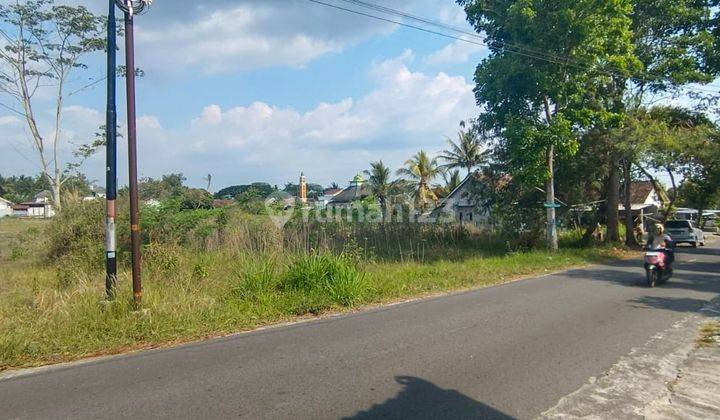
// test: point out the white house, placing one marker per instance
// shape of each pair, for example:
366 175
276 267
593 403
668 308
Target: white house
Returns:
463 205
5 207
41 207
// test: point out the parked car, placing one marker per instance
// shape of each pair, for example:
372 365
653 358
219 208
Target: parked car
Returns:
684 231
710 226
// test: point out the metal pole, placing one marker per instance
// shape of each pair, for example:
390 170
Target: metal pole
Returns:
111 157
132 156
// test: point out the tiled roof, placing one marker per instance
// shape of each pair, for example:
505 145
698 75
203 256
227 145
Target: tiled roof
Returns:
352 193
639 191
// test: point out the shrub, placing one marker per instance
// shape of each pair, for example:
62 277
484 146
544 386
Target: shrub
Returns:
336 276
78 233
257 276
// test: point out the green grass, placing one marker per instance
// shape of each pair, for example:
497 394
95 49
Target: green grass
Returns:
55 312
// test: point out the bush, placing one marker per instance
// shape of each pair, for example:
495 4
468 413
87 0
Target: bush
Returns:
336 276
77 233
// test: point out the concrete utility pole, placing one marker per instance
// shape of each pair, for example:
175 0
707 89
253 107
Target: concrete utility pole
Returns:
111 157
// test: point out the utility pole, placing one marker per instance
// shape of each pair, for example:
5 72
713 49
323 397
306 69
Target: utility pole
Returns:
111 157
132 7
550 205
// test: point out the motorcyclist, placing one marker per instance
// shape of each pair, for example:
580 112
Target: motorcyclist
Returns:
661 241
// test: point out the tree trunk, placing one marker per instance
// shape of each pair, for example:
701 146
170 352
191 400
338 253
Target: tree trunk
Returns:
613 200
630 239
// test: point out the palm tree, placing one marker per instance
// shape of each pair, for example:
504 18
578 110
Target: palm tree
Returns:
208 179
452 180
467 153
379 182
419 171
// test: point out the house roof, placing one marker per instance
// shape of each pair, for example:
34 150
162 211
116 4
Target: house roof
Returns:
20 207
356 191
43 194
332 191
33 204
640 191
6 201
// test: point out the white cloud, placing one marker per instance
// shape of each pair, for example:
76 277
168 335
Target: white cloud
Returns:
456 52
226 36
406 110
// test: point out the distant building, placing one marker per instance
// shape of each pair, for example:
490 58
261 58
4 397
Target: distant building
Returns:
357 190
96 193
302 188
463 205
5 207
327 195
644 201
41 207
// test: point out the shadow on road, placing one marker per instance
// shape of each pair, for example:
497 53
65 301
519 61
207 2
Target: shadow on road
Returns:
668 303
420 399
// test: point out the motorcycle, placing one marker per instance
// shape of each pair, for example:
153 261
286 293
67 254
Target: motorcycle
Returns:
658 269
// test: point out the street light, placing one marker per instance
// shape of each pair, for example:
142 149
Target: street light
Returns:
131 8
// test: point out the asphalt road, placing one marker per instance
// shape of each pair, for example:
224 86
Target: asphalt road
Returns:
506 351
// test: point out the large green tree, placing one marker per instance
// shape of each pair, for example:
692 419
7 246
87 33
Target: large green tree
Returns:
551 66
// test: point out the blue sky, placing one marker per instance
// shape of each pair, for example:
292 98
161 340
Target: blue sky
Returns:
262 90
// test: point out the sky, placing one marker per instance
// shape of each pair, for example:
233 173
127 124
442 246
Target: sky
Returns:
261 90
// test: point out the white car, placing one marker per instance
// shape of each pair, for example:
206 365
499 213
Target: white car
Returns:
684 231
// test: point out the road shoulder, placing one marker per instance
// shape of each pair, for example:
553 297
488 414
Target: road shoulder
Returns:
671 376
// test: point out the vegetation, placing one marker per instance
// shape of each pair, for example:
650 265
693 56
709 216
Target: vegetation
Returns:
218 271
43 45
419 171
570 85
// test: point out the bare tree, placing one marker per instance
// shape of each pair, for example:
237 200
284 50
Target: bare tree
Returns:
42 45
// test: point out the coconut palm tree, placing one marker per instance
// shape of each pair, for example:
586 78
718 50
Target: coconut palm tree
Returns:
418 172
379 182
452 180
467 153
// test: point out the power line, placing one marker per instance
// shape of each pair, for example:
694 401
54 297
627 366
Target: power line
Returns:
512 48
89 85
430 31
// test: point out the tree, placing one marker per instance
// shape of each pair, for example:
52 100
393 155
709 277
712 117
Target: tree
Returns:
169 186
22 188
701 184
43 45
546 77
467 153
452 180
380 184
208 179
195 199
418 172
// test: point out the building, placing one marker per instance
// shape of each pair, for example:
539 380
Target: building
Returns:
5 207
463 205
41 207
644 202
302 188
327 195
357 190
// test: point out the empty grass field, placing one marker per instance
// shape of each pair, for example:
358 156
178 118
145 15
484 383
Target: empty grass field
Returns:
55 311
